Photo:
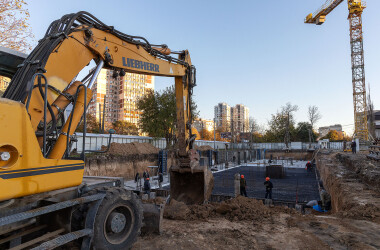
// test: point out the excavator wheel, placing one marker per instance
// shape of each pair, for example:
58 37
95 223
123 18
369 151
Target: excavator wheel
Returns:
118 220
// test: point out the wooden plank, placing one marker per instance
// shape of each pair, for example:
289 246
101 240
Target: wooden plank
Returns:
26 232
39 239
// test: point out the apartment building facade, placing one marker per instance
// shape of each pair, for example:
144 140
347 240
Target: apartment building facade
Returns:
323 131
222 116
240 118
200 124
230 119
119 95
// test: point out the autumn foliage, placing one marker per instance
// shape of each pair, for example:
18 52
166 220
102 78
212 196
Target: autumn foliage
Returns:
15 31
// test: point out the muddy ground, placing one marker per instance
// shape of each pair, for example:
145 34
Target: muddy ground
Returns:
244 223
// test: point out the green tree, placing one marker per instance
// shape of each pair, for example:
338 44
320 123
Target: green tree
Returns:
92 125
282 124
158 117
125 128
302 132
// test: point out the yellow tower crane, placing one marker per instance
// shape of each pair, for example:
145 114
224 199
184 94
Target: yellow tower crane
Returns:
355 8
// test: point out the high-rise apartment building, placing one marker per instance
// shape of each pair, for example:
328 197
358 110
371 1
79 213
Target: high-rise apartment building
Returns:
120 95
230 119
240 118
222 116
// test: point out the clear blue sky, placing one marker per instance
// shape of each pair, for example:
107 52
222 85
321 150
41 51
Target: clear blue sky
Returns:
258 53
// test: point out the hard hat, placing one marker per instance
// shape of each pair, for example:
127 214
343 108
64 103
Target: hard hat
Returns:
267 179
242 176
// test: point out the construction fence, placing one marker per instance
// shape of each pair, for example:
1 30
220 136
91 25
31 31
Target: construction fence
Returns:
96 141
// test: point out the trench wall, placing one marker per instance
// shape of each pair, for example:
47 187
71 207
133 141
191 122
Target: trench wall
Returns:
120 166
351 196
295 154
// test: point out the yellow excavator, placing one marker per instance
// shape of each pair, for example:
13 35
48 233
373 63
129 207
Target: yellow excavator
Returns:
45 201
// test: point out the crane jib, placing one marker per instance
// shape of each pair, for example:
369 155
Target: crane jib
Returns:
141 65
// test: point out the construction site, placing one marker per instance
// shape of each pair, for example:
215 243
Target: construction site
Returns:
69 184
229 220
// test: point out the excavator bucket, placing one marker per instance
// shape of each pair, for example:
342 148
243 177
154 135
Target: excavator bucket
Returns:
191 183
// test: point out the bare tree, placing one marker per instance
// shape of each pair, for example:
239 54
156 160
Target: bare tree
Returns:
314 115
15 32
287 112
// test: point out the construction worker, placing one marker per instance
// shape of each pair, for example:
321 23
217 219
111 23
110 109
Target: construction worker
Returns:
137 180
146 174
243 185
160 179
268 188
353 147
326 199
308 166
147 186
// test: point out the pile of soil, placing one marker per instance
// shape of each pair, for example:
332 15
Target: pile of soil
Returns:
134 148
237 209
366 212
203 148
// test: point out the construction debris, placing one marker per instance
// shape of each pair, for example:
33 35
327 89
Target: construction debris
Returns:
133 148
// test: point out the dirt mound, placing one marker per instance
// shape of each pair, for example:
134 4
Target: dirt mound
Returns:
134 148
176 210
203 148
240 208
367 211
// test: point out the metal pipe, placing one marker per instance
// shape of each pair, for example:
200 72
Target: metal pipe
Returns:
96 73
84 124
45 111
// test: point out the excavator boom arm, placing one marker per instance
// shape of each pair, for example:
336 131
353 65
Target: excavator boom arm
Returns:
69 45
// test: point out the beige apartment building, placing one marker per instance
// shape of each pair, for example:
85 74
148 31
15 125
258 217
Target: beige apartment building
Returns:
240 118
200 124
120 95
230 119
222 116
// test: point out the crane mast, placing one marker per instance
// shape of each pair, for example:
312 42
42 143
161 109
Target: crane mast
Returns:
355 8
357 64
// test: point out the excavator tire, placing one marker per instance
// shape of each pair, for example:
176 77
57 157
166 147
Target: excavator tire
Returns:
118 220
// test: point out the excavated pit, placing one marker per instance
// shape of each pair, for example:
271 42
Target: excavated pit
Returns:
246 223
353 183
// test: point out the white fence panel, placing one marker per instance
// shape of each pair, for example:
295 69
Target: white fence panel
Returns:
96 141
